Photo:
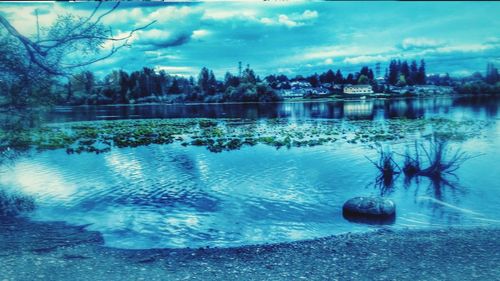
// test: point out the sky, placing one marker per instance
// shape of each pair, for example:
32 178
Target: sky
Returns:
289 37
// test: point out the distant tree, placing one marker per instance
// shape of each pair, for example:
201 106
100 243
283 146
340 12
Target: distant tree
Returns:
339 79
363 79
350 79
314 80
233 81
370 76
413 73
405 70
124 82
401 81
330 76
248 76
327 77
421 76
205 80
393 76
492 75
174 88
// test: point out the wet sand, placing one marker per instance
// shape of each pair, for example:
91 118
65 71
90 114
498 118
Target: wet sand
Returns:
56 251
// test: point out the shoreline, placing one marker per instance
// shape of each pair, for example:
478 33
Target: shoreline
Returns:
57 251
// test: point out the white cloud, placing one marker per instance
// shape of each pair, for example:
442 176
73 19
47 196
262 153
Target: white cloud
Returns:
365 59
224 14
292 20
200 33
177 70
421 43
328 61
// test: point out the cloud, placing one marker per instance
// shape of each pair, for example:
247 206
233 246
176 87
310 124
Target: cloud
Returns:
297 38
200 33
161 38
420 43
177 70
293 20
366 59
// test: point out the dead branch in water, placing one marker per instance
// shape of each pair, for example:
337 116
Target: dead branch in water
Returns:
387 167
442 159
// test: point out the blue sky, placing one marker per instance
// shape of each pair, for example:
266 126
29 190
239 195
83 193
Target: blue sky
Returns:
292 37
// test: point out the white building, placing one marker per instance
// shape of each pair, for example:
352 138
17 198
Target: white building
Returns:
358 89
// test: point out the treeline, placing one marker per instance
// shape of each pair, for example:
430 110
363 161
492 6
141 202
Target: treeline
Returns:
148 85
479 84
327 79
401 73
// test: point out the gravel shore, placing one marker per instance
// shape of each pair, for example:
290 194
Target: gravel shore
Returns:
56 251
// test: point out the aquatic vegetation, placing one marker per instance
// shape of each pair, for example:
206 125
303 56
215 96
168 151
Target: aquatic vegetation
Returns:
229 134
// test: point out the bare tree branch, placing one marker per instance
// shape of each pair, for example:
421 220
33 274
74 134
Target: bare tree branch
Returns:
48 53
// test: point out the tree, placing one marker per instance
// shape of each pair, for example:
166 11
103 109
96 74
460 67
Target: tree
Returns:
491 74
413 73
314 80
421 76
350 79
329 76
248 76
31 64
233 81
124 82
401 81
393 72
339 79
405 70
174 89
363 79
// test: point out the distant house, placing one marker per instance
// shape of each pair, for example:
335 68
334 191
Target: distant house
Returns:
358 89
293 93
380 80
300 84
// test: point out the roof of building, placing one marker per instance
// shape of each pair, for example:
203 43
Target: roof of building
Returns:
358 86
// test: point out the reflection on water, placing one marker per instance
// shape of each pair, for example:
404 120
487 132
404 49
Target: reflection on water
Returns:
175 196
366 109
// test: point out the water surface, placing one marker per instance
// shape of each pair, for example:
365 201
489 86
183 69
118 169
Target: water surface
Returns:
175 196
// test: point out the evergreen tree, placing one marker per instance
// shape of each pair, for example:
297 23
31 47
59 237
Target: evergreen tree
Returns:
329 76
314 80
350 79
412 80
174 88
339 79
405 70
421 73
491 74
393 72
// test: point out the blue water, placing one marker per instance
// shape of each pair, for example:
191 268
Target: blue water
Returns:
175 196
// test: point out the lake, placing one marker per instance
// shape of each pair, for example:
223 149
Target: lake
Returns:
176 196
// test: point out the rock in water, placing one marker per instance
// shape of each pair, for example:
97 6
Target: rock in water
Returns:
369 207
